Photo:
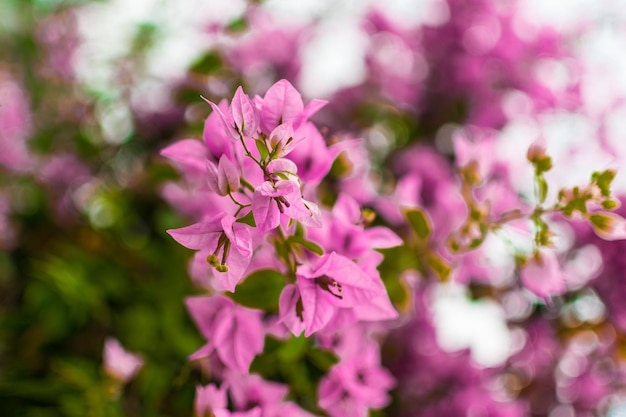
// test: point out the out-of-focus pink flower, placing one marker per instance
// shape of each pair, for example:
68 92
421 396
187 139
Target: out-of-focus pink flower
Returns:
236 333
15 120
338 290
120 363
543 275
226 244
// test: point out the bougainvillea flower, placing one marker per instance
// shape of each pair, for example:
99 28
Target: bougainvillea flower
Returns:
543 275
336 283
217 238
227 121
281 104
271 199
356 384
282 140
245 114
210 400
343 231
222 178
189 155
235 333
120 363
251 390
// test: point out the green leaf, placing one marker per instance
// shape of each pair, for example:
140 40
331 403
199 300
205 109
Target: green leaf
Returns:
603 180
262 147
247 219
237 25
307 244
294 349
299 229
322 359
419 222
439 266
261 290
208 63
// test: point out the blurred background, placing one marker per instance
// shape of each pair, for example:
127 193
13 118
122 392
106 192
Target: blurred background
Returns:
91 91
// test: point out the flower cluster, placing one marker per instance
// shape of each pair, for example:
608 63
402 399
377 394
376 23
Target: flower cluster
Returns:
254 179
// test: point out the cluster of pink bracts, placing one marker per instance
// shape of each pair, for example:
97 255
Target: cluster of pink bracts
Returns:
255 175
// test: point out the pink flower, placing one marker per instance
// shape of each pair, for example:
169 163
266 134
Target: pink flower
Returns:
217 238
273 199
356 384
335 291
210 400
252 391
235 333
343 231
223 178
119 363
281 104
245 114
543 275
282 140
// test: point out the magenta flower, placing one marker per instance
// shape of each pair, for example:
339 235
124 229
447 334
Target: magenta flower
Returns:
282 140
543 275
189 155
217 238
119 363
344 233
281 104
335 290
210 400
355 385
227 121
253 392
245 114
216 137
223 178
271 199
235 333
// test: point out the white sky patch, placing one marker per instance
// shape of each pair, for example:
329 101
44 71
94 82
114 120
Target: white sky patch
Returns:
334 59
478 325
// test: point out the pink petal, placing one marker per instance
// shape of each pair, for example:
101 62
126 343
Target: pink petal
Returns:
212 177
245 115
228 123
191 154
317 308
265 212
119 362
543 276
309 110
282 139
228 176
209 398
237 266
239 337
287 307
281 104
347 209
282 165
238 234
204 310
381 237
199 235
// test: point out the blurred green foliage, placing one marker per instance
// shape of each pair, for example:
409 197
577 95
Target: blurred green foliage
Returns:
108 269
